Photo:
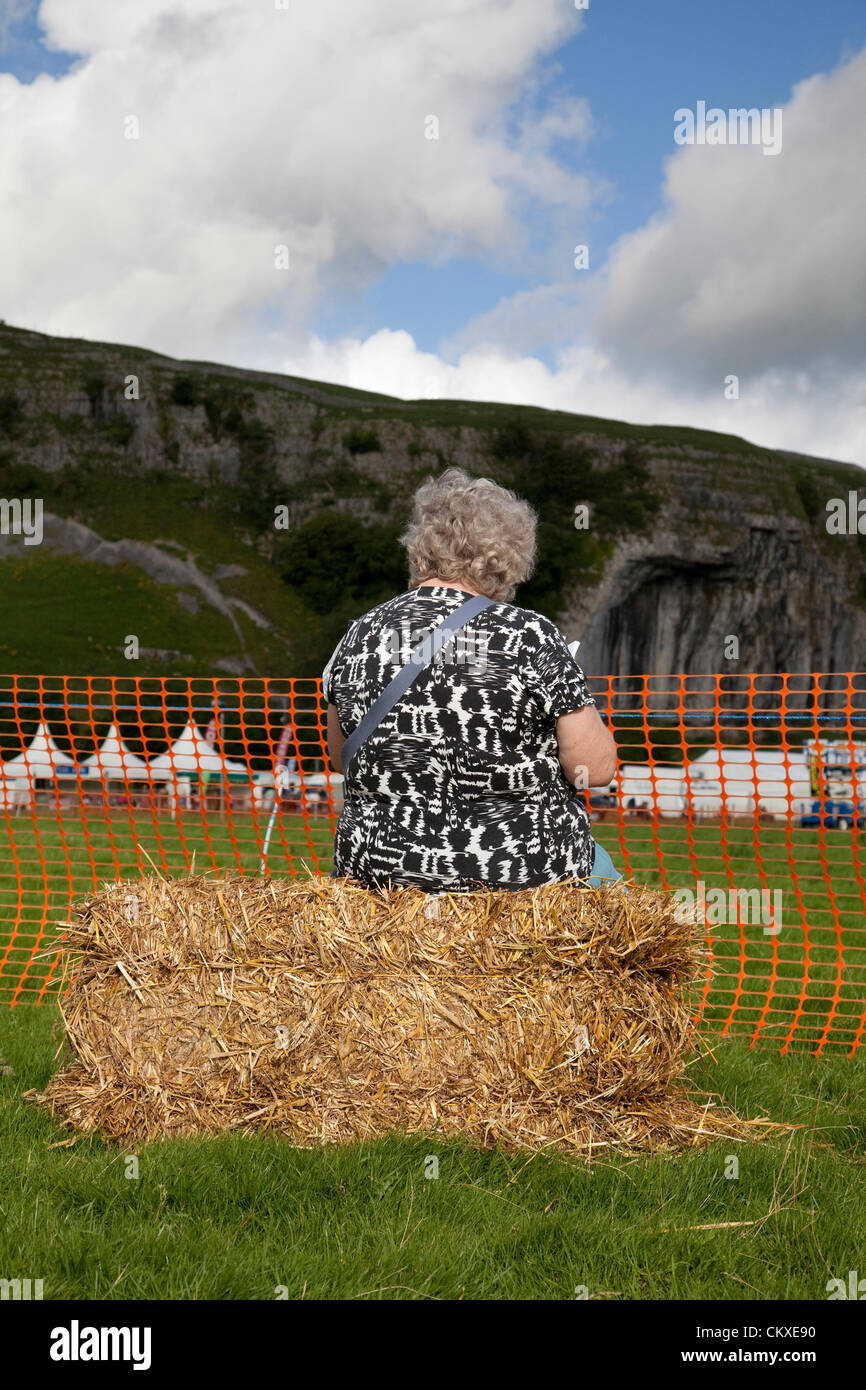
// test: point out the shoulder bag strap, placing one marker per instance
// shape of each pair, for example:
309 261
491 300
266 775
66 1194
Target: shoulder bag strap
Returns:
418 662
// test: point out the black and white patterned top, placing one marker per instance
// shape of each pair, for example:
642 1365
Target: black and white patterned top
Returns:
460 785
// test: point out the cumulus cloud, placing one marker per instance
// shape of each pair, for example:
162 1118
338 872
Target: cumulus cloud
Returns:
259 127
305 126
781 412
756 264
754 269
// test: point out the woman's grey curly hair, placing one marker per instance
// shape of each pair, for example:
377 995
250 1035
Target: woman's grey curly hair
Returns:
470 529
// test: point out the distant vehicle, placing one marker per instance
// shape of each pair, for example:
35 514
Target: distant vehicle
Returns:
837 815
837 773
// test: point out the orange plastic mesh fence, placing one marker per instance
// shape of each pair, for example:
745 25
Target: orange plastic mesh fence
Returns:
747 793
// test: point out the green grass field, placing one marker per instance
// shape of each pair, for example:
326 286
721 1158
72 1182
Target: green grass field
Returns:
805 986
241 1218
47 862
236 1218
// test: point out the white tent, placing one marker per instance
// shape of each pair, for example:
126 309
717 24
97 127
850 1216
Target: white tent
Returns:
14 791
41 758
327 785
652 787
192 753
740 763
113 761
772 780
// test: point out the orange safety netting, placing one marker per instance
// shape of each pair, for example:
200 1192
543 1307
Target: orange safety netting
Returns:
746 793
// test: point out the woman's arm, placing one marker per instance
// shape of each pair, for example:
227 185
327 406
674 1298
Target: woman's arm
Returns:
587 748
336 739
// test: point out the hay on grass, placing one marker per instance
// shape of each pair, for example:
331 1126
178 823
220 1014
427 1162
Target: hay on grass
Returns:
326 1012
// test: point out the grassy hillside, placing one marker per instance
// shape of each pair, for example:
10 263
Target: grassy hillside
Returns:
193 460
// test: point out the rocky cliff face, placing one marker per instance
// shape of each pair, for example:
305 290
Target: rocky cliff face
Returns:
672 600
733 555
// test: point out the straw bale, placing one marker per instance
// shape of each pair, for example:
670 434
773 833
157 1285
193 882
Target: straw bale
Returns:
327 1012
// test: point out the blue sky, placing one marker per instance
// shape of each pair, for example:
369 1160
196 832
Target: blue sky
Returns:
634 72
24 52
390 293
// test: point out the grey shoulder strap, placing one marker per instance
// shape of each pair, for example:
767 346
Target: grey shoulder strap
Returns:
418 662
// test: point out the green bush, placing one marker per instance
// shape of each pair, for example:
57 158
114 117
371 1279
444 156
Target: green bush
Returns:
552 478
185 391
120 429
224 406
93 381
362 441
22 479
11 413
233 421
512 440
213 411
334 558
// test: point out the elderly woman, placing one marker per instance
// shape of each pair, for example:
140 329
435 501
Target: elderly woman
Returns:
470 779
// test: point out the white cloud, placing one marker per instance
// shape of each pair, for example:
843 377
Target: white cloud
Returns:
755 269
757 264
261 127
782 411
305 126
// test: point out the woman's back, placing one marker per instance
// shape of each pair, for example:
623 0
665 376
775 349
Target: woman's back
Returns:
461 784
